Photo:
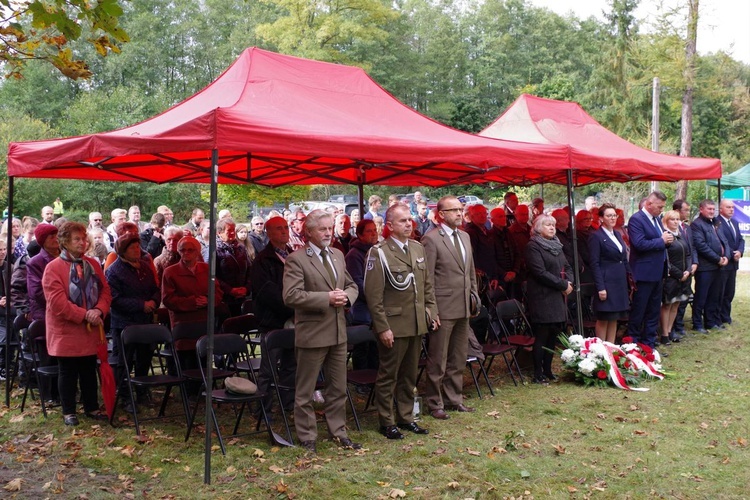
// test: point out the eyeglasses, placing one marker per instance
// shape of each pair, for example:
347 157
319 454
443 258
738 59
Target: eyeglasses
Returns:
97 220
451 209
260 223
610 215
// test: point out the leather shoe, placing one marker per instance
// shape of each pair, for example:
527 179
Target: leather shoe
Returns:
347 443
391 432
70 419
413 427
309 446
440 414
460 408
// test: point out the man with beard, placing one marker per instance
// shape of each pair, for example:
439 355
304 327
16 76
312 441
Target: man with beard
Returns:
449 262
318 288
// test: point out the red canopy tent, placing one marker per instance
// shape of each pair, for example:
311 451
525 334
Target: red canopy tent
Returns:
596 154
277 120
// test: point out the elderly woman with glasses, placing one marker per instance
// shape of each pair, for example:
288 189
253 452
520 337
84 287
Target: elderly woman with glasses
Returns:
610 268
78 299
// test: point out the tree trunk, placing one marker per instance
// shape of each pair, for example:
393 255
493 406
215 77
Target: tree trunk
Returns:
687 97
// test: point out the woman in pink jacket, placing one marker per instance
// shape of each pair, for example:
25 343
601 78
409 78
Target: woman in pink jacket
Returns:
78 299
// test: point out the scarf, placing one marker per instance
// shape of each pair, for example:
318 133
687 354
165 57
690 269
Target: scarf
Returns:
553 245
83 289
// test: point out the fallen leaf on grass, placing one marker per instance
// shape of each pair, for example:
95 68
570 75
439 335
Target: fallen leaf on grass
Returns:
499 449
396 493
742 442
14 485
704 425
128 451
601 416
559 449
493 413
439 451
258 453
472 452
383 484
725 461
281 487
633 408
453 485
572 489
639 432
276 469
17 418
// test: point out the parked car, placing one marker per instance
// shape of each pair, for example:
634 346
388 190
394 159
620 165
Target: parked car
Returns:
470 199
308 206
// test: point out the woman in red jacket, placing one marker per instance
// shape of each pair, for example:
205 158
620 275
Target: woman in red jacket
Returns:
78 299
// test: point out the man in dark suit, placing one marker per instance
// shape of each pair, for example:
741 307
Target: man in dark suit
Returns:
448 252
400 296
266 277
648 242
318 288
711 247
728 275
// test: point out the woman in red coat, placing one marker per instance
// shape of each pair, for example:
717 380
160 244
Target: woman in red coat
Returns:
78 299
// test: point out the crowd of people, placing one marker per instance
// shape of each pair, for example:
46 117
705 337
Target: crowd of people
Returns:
404 271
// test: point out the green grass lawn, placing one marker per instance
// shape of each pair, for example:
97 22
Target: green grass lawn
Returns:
687 437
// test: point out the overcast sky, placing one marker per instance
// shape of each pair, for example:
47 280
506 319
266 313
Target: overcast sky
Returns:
722 25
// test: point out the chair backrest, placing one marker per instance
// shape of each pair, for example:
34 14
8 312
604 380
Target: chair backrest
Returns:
508 309
359 334
37 330
278 339
224 344
20 322
186 334
242 324
146 334
247 306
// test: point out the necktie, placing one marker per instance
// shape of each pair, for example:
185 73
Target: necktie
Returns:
458 246
734 233
656 224
327 265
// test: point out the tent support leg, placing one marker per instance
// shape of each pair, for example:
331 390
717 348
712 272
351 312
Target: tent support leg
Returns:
577 276
211 311
8 319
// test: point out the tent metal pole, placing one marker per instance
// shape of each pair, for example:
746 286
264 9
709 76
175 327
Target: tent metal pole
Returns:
577 277
211 311
8 320
361 194
718 188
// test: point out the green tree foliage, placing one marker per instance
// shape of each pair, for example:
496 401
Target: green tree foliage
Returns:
44 30
461 63
326 30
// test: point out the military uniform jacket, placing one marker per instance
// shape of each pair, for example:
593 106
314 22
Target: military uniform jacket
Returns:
306 287
399 289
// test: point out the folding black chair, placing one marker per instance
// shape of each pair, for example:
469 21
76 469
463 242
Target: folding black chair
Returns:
39 363
247 307
272 343
185 337
231 349
247 326
20 325
148 335
510 325
364 377
470 362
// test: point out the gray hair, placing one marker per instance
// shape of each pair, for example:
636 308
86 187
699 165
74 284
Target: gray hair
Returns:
313 219
540 220
173 230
